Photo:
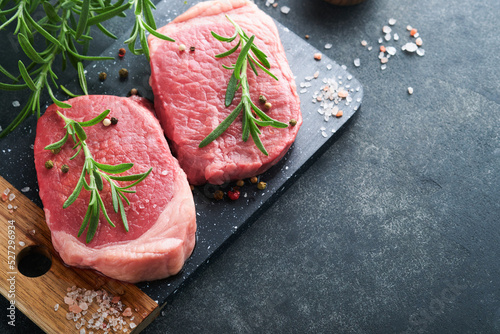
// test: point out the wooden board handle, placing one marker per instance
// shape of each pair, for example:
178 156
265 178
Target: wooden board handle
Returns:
22 225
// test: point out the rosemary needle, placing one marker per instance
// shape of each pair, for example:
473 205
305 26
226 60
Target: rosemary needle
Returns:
96 172
249 54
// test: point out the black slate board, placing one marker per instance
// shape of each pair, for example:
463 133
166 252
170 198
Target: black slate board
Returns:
219 222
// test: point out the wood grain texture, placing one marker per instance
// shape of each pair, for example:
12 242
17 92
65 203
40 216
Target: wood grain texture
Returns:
37 296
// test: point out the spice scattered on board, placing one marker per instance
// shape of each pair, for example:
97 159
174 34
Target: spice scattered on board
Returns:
111 315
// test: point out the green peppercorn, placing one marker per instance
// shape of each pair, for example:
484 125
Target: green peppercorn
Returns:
262 99
240 183
218 195
102 76
261 185
133 91
49 164
123 73
65 168
293 122
56 150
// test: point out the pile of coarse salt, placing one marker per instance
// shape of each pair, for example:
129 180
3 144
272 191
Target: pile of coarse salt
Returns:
109 316
332 96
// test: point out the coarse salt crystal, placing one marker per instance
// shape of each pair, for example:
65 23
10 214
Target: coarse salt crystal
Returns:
392 21
328 46
316 75
357 62
386 29
380 40
421 52
329 67
11 197
384 60
22 243
391 50
9 206
56 307
285 9
387 37
132 325
419 41
410 90
364 43
25 189
16 104
383 67
396 37
370 48
409 47
409 28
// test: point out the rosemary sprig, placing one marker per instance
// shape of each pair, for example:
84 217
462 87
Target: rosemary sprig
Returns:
96 172
65 29
249 54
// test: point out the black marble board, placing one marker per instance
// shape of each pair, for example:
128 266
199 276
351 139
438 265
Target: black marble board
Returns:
219 222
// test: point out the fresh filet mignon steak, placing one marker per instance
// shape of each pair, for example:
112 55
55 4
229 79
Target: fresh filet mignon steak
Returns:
161 216
189 89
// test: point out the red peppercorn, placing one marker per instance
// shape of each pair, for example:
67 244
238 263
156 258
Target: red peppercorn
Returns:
233 195
121 52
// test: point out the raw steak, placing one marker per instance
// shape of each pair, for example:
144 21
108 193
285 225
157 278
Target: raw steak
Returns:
161 217
189 88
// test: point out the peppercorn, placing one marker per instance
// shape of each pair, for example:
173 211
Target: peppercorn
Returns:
262 99
307 36
102 76
121 52
123 73
65 168
254 179
218 195
49 164
56 150
133 91
192 48
262 185
233 195
268 105
240 183
114 120
191 187
293 122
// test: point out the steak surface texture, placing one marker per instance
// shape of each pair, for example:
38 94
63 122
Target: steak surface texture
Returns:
189 89
161 215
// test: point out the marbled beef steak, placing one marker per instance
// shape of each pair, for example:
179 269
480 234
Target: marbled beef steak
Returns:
161 216
189 88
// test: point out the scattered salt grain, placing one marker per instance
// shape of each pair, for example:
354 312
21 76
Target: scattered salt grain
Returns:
56 307
364 43
25 189
387 37
22 244
11 197
132 325
329 67
16 104
419 41
370 48
357 62
383 67
421 52
409 47
328 46
386 29
384 60
396 37
380 40
410 90
392 21
316 75
391 50
285 9
409 28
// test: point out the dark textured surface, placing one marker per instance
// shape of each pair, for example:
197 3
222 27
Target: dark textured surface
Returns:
395 228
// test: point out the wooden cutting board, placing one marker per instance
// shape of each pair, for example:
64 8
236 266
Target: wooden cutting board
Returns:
24 233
